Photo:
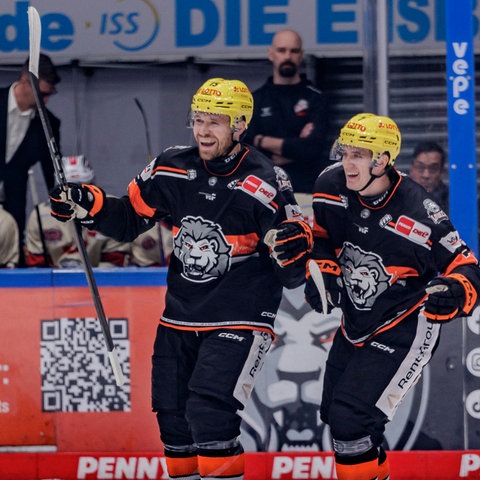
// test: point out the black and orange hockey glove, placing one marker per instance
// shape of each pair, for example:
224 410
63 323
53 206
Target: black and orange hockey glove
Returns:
82 202
289 241
449 297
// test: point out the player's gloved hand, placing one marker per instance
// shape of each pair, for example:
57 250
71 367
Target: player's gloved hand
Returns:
76 201
446 297
335 290
291 240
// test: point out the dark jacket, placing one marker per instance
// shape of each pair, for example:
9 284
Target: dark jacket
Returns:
33 149
282 111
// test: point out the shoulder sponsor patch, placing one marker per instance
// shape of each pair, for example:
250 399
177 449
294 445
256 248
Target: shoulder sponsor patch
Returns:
416 231
259 189
451 241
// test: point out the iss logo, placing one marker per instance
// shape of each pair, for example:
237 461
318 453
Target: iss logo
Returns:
132 28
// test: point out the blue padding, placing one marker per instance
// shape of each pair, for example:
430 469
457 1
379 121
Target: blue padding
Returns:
105 277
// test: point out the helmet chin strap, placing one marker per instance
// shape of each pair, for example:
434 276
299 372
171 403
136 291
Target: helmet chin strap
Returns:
373 177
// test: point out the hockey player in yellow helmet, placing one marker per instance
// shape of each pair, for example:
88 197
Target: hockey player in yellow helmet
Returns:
224 287
217 102
225 97
378 134
394 264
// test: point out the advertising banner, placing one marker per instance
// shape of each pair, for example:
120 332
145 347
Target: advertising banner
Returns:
160 30
258 466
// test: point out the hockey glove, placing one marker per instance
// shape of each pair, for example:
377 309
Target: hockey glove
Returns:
291 240
335 291
77 201
449 297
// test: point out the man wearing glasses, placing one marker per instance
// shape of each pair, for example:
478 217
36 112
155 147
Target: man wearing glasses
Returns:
427 169
22 140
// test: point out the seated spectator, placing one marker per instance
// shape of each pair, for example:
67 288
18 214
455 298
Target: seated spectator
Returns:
53 244
428 168
9 243
153 247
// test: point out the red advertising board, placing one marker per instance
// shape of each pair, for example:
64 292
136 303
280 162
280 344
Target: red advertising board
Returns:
25 420
420 465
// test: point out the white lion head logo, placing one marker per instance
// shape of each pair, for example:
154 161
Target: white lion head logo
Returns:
202 248
364 275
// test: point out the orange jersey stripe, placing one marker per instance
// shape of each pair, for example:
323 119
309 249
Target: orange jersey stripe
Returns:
400 272
327 196
462 259
243 244
137 201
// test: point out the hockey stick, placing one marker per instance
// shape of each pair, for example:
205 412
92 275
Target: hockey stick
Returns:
35 30
147 129
150 158
317 278
36 203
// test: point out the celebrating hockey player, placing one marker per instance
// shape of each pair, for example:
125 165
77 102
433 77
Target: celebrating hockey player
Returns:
396 266
224 289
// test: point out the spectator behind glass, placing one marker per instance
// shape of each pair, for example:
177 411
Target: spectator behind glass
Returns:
9 253
23 142
428 168
59 239
289 121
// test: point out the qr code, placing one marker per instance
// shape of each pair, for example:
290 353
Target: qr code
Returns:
75 367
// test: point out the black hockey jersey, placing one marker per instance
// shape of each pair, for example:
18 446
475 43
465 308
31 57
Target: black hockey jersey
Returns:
388 249
220 272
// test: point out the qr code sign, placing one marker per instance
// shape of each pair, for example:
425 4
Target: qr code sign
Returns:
75 368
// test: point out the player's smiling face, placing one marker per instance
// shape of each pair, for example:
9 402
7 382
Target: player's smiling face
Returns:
213 135
357 163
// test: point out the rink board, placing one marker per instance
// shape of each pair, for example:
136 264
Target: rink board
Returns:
419 465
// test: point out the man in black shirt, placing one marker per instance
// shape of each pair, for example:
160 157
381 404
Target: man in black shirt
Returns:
289 121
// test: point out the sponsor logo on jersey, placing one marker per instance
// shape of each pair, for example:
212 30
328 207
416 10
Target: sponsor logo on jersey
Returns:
361 229
231 336
259 189
385 220
208 196
147 171
382 347
451 241
412 229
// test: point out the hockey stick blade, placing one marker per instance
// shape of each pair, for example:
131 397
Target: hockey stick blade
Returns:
319 283
35 33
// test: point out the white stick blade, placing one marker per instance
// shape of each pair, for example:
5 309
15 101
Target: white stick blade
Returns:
35 34
117 369
319 283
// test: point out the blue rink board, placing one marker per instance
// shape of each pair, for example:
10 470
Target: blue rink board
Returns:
105 277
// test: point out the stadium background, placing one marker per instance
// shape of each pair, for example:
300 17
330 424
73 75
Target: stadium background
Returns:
110 53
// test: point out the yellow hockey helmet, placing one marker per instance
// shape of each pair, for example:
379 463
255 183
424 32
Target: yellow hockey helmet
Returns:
224 97
374 132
